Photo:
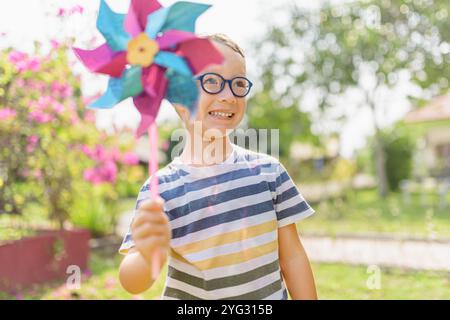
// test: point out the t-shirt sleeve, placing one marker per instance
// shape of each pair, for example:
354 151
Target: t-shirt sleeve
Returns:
127 242
290 206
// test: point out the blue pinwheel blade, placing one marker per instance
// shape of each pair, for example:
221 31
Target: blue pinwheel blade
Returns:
182 89
181 16
170 60
110 24
128 85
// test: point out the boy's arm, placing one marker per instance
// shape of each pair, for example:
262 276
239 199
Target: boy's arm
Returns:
151 235
295 265
135 272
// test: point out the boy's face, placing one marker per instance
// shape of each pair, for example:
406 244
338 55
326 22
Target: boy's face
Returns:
224 101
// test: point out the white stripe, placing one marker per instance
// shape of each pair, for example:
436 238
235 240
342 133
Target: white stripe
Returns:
285 186
186 268
225 292
233 247
213 190
224 228
276 296
289 203
179 182
295 218
220 208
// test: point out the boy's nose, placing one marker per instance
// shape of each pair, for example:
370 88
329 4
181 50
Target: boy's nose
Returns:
227 95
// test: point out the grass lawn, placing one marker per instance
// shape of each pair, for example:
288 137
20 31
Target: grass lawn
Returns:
334 281
364 212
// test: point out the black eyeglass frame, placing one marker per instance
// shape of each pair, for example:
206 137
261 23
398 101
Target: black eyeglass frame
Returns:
229 81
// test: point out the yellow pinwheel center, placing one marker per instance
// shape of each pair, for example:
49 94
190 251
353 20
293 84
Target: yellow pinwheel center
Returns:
142 50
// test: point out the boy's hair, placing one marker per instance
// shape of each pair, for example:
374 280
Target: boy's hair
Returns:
225 40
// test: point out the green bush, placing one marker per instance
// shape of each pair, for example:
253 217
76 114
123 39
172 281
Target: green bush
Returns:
399 149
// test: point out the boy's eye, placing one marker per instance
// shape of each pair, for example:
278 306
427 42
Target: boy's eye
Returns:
211 81
241 84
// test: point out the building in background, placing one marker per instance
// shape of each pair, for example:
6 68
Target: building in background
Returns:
432 125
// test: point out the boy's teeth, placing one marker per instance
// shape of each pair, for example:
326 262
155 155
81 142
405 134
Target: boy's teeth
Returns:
222 114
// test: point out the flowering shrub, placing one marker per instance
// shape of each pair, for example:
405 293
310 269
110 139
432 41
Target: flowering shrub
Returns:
50 150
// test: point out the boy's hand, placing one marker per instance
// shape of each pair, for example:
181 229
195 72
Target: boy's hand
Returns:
150 228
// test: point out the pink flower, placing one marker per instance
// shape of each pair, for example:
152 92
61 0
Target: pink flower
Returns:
33 65
89 116
86 150
77 9
22 62
58 107
40 117
7 113
55 44
130 159
115 155
31 143
17 56
110 283
61 12
107 173
20 83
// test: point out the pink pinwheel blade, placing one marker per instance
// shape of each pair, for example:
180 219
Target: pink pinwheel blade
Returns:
103 60
148 107
131 23
199 53
143 8
150 79
174 37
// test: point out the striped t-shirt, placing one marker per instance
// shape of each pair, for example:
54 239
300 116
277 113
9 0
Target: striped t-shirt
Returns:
224 220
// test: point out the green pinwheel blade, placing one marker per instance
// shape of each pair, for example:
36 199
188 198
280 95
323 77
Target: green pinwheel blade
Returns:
128 85
182 89
111 26
180 16
172 61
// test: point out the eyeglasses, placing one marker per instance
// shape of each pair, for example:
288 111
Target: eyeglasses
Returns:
214 83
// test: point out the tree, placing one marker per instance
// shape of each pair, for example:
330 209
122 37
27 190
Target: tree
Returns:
362 46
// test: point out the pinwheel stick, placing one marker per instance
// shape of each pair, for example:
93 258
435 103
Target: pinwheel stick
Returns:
153 167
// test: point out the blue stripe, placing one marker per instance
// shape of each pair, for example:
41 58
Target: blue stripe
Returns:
219 198
166 179
225 217
298 208
286 195
282 178
211 181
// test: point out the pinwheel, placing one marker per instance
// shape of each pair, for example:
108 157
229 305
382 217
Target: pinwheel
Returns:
150 53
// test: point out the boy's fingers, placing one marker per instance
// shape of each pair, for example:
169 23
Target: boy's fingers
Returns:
150 243
148 229
156 204
148 218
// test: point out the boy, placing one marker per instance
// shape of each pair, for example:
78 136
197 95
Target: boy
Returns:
225 223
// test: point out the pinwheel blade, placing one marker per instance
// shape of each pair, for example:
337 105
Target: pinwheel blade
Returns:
142 8
181 16
119 89
171 38
190 51
182 89
172 61
103 60
111 26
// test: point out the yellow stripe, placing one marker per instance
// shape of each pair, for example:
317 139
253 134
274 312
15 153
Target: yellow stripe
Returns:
237 257
177 256
229 237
